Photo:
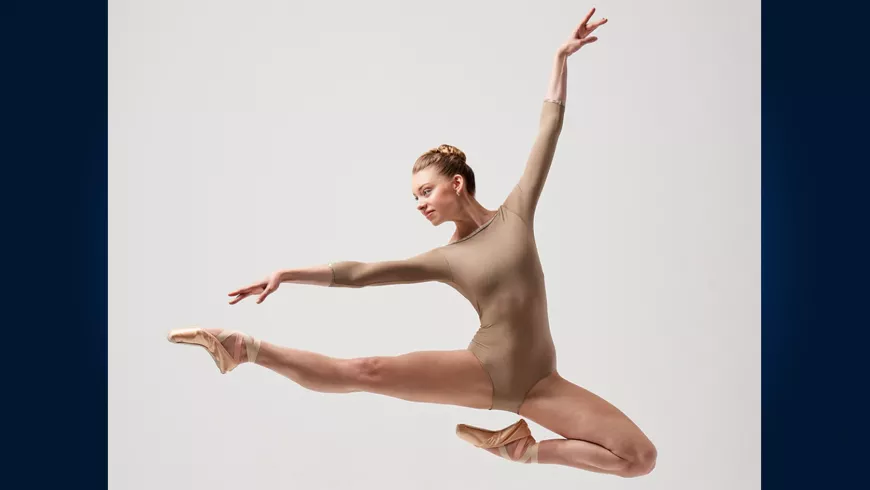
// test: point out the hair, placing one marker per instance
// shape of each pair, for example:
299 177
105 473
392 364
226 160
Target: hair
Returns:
448 160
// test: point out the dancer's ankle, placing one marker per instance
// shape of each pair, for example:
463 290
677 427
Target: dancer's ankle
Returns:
516 449
230 344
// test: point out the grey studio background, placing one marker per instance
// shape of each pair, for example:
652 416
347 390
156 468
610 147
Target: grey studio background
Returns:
246 137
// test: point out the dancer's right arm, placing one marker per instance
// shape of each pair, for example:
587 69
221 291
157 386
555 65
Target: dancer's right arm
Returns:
428 266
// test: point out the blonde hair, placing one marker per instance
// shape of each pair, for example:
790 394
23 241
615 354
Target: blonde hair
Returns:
448 160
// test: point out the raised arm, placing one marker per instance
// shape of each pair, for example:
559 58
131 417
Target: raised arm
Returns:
523 198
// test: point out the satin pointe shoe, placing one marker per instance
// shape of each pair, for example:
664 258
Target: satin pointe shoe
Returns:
224 360
499 439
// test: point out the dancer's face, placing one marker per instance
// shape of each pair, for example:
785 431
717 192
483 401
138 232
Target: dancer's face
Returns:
435 195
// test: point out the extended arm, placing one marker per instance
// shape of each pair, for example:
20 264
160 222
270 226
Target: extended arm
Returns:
428 266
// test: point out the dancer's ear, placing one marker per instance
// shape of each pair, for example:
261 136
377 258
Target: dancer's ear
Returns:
458 184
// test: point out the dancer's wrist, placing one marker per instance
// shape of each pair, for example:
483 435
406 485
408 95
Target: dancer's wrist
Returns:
319 275
288 275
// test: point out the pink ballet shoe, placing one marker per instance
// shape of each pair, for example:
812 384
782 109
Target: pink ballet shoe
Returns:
225 361
487 439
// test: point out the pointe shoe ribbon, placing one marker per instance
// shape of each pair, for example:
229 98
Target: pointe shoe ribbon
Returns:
487 439
225 361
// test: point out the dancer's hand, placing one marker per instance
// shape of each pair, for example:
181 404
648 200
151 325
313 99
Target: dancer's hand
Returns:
581 35
263 288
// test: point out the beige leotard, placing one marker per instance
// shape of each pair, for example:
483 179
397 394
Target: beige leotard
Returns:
497 269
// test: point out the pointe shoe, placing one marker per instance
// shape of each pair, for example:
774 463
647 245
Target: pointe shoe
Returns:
487 439
225 361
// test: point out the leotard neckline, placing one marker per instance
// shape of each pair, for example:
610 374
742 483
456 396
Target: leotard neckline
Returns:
479 229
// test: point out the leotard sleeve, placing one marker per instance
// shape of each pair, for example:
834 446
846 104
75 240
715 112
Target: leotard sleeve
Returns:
523 199
428 266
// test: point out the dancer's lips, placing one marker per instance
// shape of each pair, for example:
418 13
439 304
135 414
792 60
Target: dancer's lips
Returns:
429 213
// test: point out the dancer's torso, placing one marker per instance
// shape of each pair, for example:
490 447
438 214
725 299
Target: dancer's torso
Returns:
498 270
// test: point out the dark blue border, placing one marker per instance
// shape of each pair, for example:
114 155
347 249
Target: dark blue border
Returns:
54 194
814 244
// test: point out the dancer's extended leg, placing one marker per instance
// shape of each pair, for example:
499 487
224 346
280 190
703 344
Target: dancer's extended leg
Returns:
446 377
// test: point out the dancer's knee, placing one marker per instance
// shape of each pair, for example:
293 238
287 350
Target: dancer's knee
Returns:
367 373
643 462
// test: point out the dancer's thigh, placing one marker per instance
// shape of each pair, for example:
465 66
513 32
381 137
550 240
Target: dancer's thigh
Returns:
453 377
576 413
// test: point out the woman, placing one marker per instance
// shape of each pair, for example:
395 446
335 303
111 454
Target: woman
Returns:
492 260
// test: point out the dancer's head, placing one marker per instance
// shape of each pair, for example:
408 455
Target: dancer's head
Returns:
441 181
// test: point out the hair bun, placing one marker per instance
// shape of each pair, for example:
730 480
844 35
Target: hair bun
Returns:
450 150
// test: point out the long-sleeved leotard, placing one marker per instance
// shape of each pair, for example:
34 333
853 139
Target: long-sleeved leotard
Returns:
497 269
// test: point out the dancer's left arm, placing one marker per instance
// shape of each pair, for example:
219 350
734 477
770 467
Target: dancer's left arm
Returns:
523 199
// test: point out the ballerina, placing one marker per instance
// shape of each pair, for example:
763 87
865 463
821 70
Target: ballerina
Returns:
492 260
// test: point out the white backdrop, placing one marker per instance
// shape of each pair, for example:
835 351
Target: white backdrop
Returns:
251 136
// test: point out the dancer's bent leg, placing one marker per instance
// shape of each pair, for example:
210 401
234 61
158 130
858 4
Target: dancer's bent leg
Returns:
598 436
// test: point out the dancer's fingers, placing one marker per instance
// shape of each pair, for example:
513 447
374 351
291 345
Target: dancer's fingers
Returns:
239 291
239 298
595 26
589 15
266 293
582 25
252 289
